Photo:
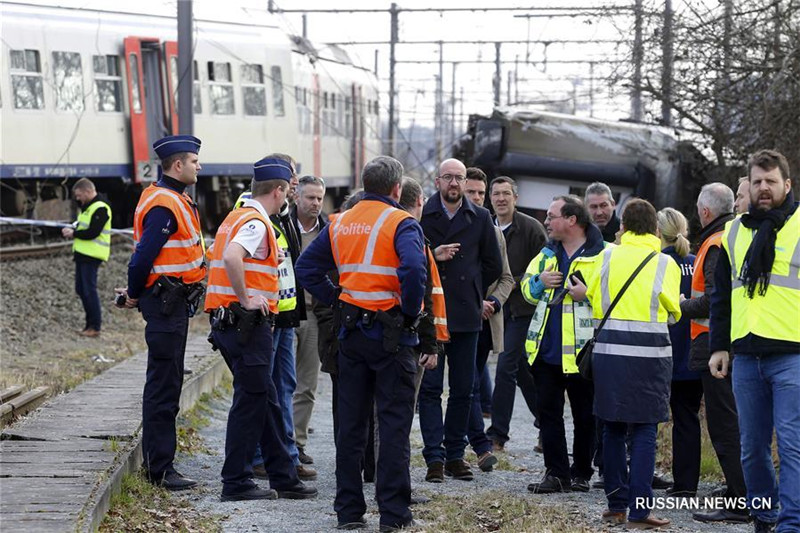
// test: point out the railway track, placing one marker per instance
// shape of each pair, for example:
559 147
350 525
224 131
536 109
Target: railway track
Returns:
15 253
16 402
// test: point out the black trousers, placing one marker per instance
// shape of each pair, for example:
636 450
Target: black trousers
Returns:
551 384
684 403
367 375
166 343
255 415
723 428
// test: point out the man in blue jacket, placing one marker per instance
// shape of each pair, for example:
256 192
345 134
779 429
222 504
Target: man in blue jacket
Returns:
465 231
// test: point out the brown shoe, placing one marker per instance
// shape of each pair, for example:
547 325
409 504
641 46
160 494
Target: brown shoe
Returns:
486 461
614 517
649 522
435 473
89 332
458 469
306 473
260 471
498 446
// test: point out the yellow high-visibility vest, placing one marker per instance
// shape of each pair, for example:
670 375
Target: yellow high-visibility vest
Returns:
576 321
100 246
776 314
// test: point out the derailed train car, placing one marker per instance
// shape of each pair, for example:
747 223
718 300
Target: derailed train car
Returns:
87 92
551 154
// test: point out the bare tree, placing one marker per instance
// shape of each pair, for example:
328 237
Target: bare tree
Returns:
735 80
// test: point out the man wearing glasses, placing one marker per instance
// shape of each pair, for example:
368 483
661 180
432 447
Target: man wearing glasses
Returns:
464 235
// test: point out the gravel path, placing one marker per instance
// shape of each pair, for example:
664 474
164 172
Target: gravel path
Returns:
318 515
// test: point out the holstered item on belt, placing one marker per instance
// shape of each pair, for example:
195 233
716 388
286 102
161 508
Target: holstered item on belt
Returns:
392 329
173 292
194 293
245 321
170 291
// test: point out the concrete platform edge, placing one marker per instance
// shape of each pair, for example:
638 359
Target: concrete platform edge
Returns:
130 460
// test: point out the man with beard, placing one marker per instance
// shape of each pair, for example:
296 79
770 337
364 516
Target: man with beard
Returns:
600 203
465 232
755 313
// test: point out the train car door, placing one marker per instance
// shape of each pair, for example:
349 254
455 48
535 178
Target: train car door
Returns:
147 84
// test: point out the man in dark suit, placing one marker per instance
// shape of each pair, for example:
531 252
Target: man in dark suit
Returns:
472 262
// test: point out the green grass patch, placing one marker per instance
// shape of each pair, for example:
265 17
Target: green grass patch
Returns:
496 511
143 507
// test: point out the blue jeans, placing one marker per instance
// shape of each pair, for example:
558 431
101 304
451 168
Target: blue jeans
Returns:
767 391
283 376
623 487
486 390
86 287
445 441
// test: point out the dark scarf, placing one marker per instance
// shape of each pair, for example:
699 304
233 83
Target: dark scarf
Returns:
758 260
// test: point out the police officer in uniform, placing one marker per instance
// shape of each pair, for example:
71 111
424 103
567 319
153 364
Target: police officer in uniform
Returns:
243 301
377 249
164 278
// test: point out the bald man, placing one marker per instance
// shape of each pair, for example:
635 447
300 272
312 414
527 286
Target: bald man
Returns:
466 239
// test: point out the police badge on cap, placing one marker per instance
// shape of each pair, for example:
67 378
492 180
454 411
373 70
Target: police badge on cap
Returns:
271 168
175 144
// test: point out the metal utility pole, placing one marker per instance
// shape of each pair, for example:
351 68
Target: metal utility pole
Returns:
305 26
591 89
666 69
453 107
185 75
461 113
636 90
497 75
440 106
392 64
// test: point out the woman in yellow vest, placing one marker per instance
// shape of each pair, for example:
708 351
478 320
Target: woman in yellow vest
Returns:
92 246
632 362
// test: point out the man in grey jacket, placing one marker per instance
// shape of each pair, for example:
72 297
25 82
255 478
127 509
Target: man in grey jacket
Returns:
524 236
491 337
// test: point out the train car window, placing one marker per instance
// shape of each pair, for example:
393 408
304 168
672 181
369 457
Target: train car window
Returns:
220 88
68 81
197 103
107 83
325 123
348 116
277 91
340 115
26 79
254 93
136 94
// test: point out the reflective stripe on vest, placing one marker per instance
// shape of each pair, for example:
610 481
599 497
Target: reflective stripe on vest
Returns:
260 275
577 326
700 325
362 241
775 314
183 254
100 246
437 295
287 286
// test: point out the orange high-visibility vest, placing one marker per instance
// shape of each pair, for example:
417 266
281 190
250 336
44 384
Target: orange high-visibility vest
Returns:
260 275
439 308
362 241
700 325
182 256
